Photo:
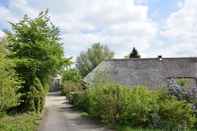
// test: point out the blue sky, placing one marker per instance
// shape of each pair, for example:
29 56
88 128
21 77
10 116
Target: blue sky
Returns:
155 27
4 2
161 9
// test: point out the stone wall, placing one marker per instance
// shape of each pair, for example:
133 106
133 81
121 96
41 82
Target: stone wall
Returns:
152 72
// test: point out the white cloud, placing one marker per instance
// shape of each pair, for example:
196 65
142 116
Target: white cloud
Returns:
143 2
15 10
181 30
118 23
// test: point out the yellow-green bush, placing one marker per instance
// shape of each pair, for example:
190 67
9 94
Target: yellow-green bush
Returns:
175 113
36 97
79 100
35 44
70 87
136 107
139 106
20 122
71 75
9 81
105 101
71 82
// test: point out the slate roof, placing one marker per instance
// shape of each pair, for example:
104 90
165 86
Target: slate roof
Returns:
152 72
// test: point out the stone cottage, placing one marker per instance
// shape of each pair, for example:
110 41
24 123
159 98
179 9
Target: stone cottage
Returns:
151 72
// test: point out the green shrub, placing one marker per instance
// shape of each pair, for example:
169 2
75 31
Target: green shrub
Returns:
20 122
113 103
71 82
126 128
9 81
105 101
137 107
36 97
79 100
75 93
174 113
70 87
71 75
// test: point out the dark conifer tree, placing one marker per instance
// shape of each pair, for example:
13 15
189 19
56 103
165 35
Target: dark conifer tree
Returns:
134 53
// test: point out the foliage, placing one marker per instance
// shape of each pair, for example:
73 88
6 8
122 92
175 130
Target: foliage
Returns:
20 122
105 102
183 82
127 128
9 81
79 100
175 113
71 75
70 87
179 90
68 62
35 44
137 107
35 96
71 81
88 60
134 53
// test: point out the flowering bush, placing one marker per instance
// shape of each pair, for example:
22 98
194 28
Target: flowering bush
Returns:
188 94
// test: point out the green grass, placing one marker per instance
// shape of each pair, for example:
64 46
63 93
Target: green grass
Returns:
139 129
136 129
20 122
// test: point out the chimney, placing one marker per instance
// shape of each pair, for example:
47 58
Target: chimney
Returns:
160 57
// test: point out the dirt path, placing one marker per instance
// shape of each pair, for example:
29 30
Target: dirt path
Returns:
59 116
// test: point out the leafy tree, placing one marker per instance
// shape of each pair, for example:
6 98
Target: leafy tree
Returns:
71 81
68 63
35 44
134 53
9 81
88 60
71 75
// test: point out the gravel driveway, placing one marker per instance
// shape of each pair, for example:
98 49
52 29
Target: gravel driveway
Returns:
59 116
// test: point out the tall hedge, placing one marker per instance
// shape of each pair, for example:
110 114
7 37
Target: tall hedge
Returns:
9 81
36 45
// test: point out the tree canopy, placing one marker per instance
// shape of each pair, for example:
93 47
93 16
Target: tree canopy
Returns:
36 46
134 54
88 60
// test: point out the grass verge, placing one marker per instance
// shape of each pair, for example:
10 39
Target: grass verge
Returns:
125 128
20 122
136 129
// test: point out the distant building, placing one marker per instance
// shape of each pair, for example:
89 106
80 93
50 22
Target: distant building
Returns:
56 83
151 72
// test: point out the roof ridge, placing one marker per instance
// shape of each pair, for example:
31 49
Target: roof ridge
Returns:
166 58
